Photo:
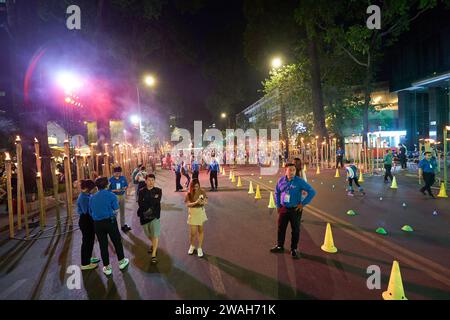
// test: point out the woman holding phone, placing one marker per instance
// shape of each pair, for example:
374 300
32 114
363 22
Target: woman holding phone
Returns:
196 200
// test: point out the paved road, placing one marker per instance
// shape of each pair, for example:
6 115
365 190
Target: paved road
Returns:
238 235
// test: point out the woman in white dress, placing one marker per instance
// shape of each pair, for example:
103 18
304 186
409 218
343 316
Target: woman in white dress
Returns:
196 200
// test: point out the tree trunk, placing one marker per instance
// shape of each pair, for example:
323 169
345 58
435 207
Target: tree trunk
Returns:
316 88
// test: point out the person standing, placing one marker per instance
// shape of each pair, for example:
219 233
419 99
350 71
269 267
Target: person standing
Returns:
140 177
288 198
196 200
135 180
427 170
103 205
149 213
340 157
402 155
118 185
213 169
195 168
86 225
387 161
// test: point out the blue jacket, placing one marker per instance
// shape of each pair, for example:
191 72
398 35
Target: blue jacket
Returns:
293 189
118 184
103 205
83 203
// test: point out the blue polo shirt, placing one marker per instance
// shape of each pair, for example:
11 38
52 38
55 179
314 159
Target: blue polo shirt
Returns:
340 152
103 204
115 184
289 193
178 168
428 166
194 166
83 203
214 166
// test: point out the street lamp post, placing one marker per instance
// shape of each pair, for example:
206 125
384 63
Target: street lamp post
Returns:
149 81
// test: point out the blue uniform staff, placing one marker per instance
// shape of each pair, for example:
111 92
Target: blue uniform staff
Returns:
213 169
290 203
427 169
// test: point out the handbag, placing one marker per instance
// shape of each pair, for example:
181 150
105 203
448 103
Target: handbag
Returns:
148 214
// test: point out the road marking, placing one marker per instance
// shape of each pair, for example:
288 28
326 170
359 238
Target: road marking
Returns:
396 251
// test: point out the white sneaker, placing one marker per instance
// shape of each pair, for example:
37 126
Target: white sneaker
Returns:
107 270
123 263
199 252
191 250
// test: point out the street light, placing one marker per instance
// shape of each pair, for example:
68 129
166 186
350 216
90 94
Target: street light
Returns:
276 62
223 115
149 81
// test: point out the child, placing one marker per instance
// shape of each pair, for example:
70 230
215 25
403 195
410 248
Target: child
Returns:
86 226
352 176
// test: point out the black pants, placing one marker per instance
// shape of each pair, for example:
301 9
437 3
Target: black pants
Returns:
339 160
103 229
388 173
428 178
178 181
293 216
350 183
86 225
213 176
188 179
403 161
195 175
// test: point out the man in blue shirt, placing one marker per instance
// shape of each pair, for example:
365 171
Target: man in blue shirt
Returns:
86 225
195 168
288 198
339 157
213 169
427 169
102 206
118 185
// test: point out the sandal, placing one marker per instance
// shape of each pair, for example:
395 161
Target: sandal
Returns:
154 260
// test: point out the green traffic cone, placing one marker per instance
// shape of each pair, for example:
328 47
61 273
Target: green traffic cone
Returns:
381 231
351 213
407 228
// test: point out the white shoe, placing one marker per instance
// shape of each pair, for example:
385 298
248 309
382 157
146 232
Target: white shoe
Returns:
123 263
199 252
191 250
107 270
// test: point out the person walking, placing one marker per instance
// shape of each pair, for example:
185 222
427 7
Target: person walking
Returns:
149 213
135 180
213 169
196 200
103 205
177 169
402 155
195 168
185 172
298 167
288 198
339 157
140 177
387 161
86 225
427 171
118 185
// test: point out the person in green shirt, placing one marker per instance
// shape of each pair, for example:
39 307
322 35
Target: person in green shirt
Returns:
387 160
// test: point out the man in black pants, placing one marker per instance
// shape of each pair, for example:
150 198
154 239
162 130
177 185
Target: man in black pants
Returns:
103 206
402 155
427 170
339 157
213 169
288 198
